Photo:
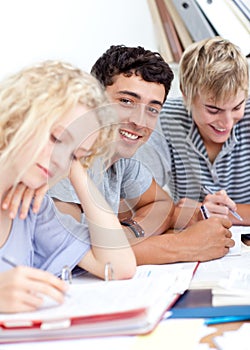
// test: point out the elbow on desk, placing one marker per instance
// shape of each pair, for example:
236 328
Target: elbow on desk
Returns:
125 272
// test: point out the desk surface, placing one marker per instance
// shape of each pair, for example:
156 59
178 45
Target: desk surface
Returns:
220 329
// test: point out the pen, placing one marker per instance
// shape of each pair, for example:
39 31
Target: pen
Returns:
207 190
204 212
9 261
225 319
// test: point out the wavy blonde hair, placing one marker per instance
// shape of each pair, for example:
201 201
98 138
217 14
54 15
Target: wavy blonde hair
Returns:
32 100
214 67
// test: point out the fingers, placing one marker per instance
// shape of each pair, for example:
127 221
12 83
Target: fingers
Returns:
24 289
46 278
23 301
26 202
13 199
227 223
37 290
39 195
220 198
22 197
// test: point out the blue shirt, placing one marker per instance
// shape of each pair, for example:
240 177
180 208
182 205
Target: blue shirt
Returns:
48 240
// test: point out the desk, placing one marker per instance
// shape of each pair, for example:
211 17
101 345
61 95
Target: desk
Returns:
220 329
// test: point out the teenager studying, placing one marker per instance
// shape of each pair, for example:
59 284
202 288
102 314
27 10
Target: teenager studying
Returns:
207 131
53 115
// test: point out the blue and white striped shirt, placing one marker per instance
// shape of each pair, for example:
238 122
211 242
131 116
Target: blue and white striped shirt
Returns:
187 167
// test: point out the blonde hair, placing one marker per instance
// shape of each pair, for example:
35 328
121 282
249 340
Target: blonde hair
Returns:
32 100
214 67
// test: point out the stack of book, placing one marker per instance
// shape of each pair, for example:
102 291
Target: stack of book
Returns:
233 290
179 23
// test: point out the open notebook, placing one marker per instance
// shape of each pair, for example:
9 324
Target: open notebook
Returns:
103 308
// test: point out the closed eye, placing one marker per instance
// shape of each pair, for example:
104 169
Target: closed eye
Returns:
54 139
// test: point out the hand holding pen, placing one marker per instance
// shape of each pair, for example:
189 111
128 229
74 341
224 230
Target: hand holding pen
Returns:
218 204
22 287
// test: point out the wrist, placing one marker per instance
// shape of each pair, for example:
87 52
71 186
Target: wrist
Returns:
134 227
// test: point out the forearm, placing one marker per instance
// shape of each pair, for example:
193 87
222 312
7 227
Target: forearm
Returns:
164 249
203 241
153 210
155 218
108 240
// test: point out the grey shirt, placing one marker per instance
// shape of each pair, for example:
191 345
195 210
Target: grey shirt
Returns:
125 179
155 156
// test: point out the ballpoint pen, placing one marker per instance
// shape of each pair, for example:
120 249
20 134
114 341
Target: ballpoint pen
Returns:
9 261
207 190
204 212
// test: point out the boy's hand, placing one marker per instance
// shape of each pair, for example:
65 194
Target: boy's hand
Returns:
218 204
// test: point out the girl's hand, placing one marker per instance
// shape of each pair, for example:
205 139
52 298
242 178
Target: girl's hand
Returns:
23 196
21 289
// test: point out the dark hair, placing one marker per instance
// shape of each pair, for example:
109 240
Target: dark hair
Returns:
119 59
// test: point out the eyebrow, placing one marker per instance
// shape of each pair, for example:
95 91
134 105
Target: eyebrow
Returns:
221 109
134 94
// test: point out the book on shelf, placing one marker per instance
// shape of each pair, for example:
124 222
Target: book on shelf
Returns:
164 46
170 30
179 24
194 19
101 308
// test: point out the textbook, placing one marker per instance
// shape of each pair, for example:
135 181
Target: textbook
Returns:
102 308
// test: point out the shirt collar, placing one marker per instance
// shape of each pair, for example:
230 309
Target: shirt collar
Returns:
194 138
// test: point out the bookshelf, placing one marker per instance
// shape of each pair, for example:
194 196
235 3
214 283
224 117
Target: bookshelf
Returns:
178 23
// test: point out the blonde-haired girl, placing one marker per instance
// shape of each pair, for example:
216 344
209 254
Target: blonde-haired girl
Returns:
51 116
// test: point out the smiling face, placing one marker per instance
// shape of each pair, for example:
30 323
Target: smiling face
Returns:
138 104
70 138
216 120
